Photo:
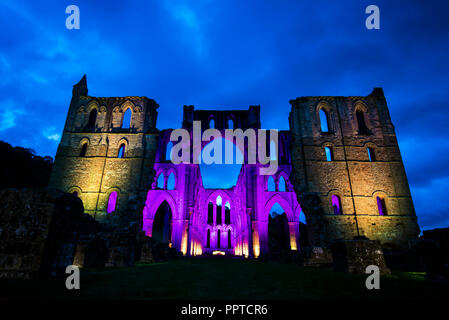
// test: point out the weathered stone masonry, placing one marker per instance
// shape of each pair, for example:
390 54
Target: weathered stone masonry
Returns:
310 179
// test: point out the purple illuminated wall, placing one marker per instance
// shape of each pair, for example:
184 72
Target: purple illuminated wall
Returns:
249 202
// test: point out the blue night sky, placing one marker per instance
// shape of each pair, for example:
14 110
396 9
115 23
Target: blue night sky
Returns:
231 54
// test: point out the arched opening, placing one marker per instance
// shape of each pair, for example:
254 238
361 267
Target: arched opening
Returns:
218 175
218 238
83 150
324 121
171 182
168 151
112 201
126 122
160 181
363 129
229 239
336 204
208 239
371 154
162 223
210 213
282 184
75 193
227 213
219 202
381 206
212 124
230 124
271 186
329 153
121 151
278 231
92 119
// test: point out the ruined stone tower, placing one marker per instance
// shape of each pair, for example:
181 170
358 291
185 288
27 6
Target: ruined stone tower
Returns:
89 162
345 155
339 165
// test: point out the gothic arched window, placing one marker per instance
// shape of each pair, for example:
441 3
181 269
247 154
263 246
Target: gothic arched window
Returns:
208 239
92 119
112 201
329 153
83 150
271 186
126 122
121 151
171 182
363 129
282 184
324 121
381 206
210 213
371 154
168 151
336 204
160 181
227 213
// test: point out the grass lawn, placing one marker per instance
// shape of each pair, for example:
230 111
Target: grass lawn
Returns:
223 279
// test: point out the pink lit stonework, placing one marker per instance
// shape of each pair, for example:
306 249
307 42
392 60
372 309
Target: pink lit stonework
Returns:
189 202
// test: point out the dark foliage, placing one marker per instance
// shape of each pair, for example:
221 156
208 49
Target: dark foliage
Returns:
22 168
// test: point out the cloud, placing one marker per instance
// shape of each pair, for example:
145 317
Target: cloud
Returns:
50 134
9 114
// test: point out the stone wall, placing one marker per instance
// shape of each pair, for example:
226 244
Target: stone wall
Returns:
351 175
98 173
38 231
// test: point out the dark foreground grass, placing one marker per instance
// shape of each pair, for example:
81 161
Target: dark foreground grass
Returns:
223 279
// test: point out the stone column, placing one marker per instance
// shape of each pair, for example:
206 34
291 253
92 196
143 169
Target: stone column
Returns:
293 228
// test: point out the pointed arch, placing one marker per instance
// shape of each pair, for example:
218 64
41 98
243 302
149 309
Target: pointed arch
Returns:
212 123
92 118
324 120
168 151
271 186
121 151
171 182
127 116
336 204
281 184
161 181
291 216
112 201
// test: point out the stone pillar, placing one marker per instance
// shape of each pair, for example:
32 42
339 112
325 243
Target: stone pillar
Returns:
293 228
260 237
177 233
148 227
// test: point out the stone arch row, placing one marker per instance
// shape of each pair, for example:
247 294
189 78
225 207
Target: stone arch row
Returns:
325 116
97 111
381 199
328 151
122 146
165 178
112 197
278 181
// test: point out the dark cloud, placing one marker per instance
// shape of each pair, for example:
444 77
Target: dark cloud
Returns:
231 54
